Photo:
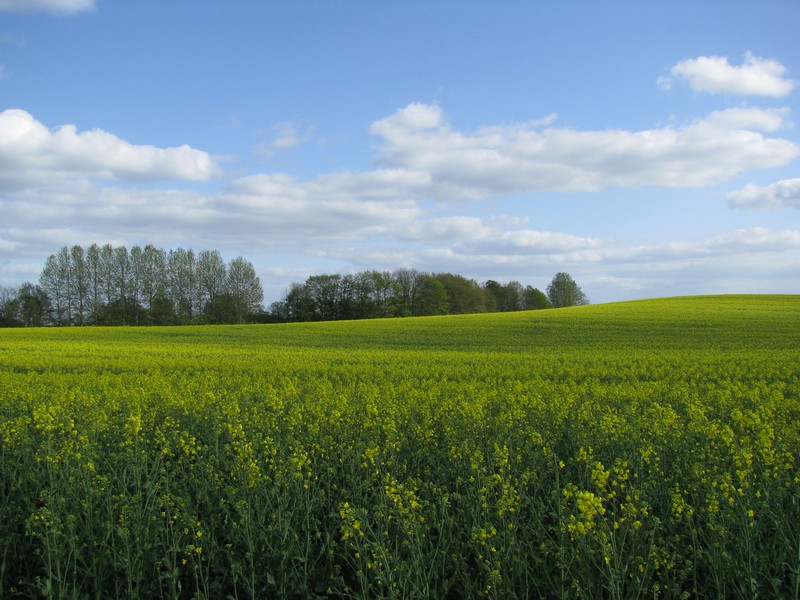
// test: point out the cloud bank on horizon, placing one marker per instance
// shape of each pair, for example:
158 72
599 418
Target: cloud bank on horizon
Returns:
436 196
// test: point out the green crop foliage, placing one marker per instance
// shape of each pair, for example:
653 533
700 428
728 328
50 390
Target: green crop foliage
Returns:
639 449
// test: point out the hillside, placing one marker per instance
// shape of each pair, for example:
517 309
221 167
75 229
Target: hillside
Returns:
624 450
726 321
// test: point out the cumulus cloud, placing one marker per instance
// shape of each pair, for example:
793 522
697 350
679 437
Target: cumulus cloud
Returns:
60 7
277 214
32 154
531 158
62 186
715 75
779 195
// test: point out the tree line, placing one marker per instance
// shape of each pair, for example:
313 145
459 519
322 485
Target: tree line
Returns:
408 292
108 285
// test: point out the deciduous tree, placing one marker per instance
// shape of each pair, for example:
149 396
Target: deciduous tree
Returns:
563 291
244 287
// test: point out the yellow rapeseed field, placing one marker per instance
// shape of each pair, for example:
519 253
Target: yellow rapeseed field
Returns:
639 449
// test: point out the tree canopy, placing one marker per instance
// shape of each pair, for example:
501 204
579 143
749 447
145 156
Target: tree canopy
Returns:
107 285
563 291
403 292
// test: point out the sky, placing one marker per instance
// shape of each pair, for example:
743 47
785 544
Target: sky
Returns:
648 149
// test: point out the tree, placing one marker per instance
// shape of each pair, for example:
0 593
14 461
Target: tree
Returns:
355 296
9 307
161 310
505 298
55 280
464 295
211 273
123 305
430 297
535 299
94 271
79 290
136 270
154 279
324 292
181 274
107 270
298 305
115 286
406 282
563 291
513 297
244 287
493 292
383 288
34 305
220 309
122 311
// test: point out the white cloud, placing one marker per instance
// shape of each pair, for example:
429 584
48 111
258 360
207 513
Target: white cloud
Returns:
581 252
756 239
753 260
380 218
778 195
267 214
738 261
62 7
33 155
280 209
287 136
527 158
757 119
444 229
480 237
277 215
722 247
373 186
715 75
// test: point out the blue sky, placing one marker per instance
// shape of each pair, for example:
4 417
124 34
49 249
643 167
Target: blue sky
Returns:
646 148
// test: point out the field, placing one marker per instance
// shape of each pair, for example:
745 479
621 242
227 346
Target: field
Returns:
639 449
